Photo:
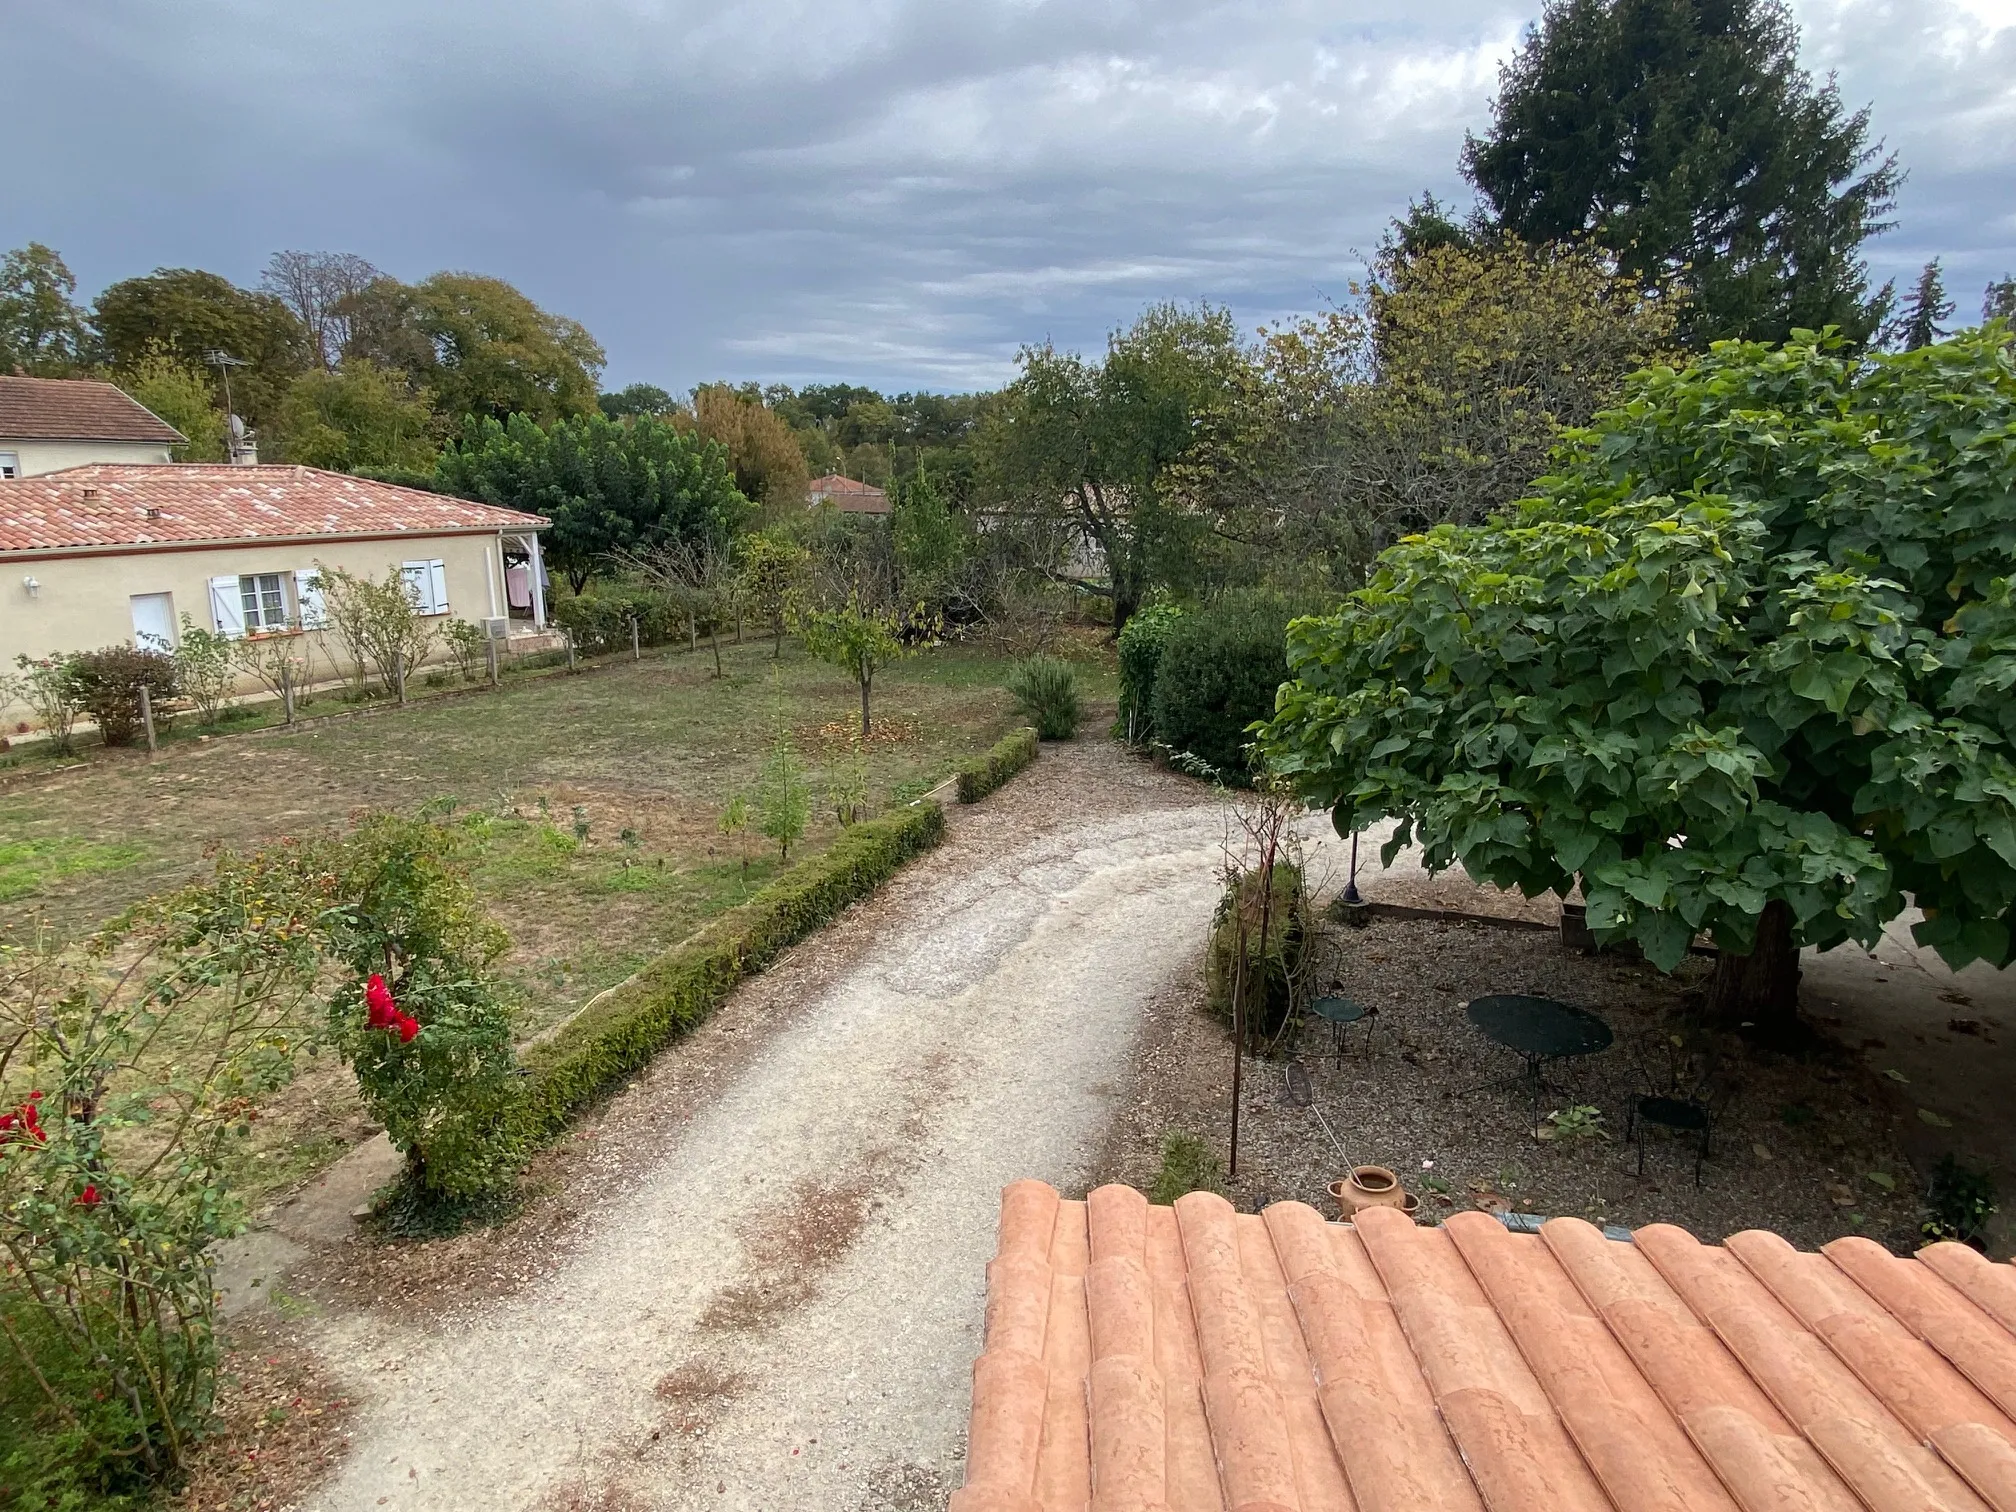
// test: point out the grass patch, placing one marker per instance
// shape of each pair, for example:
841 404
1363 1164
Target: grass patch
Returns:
28 866
1188 1165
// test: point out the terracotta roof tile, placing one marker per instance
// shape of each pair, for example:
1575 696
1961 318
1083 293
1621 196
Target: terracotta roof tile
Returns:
77 409
139 505
1148 1359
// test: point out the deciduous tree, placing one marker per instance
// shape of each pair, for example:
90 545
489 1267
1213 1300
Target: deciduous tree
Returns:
315 286
1741 665
496 353
43 332
186 314
182 395
1097 441
357 416
608 487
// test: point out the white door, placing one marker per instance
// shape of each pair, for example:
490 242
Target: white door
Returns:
154 621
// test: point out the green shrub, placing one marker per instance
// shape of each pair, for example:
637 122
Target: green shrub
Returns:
204 670
1045 689
1217 674
1188 1165
599 620
1276 964
113 1170
1141 646
106 685
421 1021
983 774
619 1032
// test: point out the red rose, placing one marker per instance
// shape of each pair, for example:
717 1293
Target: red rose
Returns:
378 1000
89 1196
408 1027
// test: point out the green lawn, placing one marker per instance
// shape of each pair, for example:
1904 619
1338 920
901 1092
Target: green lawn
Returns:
643 756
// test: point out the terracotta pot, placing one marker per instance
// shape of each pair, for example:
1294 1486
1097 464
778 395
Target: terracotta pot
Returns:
1410 1204
1367 1186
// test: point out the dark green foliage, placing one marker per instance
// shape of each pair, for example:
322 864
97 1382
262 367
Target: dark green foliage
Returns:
607 486
1141 644
1188 1165
1684 134
637 399
1750 644
408 912
1266 979
1045 689
983 774
1962 1200
599 619
106 684
185 313
620 1031
1217 674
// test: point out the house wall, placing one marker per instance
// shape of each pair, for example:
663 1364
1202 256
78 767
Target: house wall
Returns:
39 457
84 602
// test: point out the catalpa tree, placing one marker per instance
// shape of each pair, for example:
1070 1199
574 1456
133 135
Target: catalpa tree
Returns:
1741 666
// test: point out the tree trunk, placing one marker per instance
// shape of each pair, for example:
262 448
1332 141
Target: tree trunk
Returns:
777 647
864 708
1759 991
714 640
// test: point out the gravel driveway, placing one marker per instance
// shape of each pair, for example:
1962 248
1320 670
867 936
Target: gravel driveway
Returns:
782 1306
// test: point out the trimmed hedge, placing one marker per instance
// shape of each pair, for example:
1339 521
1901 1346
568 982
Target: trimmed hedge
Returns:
620 1032
983 774
1217 673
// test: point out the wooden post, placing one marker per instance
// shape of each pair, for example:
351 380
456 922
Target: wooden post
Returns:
570 648
147 716
636 645
490 647
399 674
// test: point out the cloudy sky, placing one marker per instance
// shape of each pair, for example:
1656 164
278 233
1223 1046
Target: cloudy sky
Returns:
894 192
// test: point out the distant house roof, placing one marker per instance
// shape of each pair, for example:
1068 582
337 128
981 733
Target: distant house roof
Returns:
76 409
163 506
848 495
1197 1358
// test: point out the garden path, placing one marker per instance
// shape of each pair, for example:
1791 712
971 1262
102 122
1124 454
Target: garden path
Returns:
783 1306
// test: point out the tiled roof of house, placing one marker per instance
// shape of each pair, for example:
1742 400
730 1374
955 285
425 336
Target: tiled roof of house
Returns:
1198 1360
166 504
76 409
848 495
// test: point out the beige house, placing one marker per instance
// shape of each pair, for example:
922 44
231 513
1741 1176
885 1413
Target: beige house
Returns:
48 424
97 555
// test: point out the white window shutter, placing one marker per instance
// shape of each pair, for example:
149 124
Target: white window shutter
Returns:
308 598
414 576
437 582
227 609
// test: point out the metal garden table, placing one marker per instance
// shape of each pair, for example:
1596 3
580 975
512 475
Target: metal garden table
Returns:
1539 1030
1340 1013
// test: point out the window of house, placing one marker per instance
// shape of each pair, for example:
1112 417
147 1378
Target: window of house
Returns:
10 464
264 602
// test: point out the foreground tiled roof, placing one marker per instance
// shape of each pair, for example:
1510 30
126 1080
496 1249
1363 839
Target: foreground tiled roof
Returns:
1149 1358
173 503
76 409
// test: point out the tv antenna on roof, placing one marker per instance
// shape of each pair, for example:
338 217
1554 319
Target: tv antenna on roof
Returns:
223 361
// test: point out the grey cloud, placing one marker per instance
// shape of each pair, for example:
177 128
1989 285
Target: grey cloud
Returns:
898 192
